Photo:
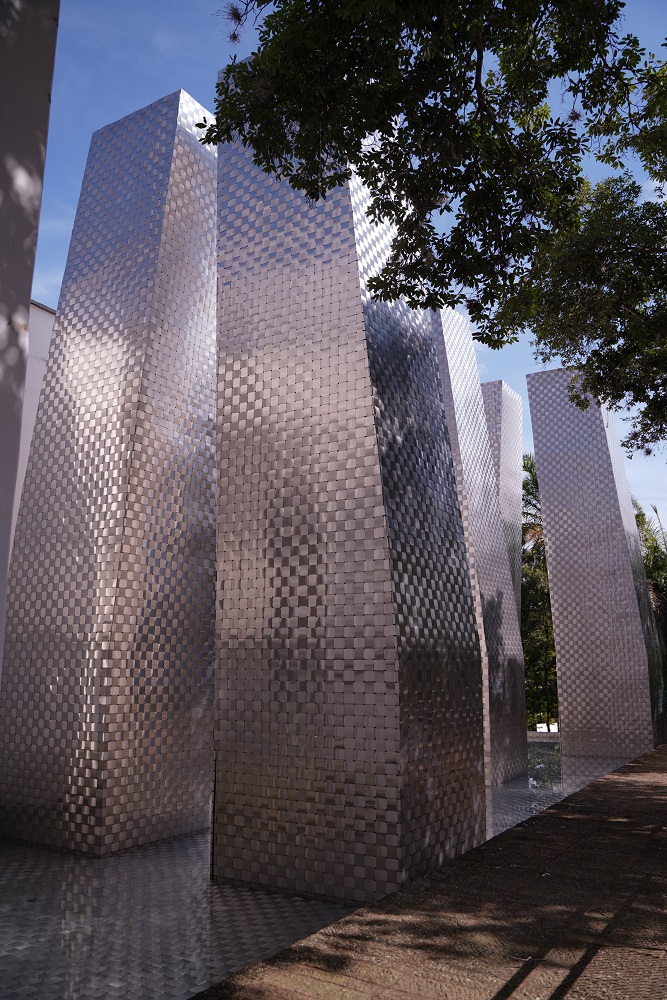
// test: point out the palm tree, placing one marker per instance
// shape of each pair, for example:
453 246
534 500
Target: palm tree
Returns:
654 553
531 513
536 625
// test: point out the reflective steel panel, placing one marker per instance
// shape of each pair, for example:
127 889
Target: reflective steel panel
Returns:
610 684
503 410
495 602
105 706
349 744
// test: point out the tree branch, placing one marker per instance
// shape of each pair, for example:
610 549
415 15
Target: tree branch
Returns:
479 87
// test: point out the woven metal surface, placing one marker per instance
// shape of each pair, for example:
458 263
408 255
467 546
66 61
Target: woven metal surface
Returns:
610 692
106 697
350 738
495 602
550 778
503 410
146 924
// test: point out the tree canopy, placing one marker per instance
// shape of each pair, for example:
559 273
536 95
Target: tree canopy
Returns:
596 297
467 120
653 544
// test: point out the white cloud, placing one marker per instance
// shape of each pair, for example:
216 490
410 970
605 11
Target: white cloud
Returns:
46 285
653 192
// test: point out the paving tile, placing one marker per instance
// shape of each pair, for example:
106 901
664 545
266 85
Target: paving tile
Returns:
148 924
582 934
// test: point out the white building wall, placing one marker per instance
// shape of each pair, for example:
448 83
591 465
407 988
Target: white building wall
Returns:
40 327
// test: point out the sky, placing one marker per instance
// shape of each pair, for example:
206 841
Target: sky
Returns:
113 58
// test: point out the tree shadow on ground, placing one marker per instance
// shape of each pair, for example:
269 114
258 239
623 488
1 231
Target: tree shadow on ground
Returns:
546 897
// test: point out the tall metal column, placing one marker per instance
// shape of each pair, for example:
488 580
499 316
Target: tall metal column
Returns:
610 681
106 698
506 747
350 748
503 409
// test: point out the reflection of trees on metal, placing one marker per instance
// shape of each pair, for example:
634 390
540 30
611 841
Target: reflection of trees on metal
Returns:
486 549
349 742
536 626
504 418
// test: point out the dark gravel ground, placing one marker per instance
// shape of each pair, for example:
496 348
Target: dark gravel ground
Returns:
572 903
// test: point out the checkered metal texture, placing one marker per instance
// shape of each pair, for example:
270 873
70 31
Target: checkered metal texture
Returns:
595 575
503 410
438 655
551 777
146 924
106 700
495 603
657 668
349 748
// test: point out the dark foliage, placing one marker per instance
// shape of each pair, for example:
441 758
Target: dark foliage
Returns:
536 627
596 297
465 157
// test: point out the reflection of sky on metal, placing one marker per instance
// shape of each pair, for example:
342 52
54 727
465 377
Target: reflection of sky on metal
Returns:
495 605
339 535
116 57
551 777
111 601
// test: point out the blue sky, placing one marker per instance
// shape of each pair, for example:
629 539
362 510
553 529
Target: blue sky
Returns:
113 58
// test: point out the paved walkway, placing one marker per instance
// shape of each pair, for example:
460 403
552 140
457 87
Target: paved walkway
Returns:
571 903
148 924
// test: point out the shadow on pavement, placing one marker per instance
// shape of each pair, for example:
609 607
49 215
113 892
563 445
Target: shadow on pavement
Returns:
570 903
